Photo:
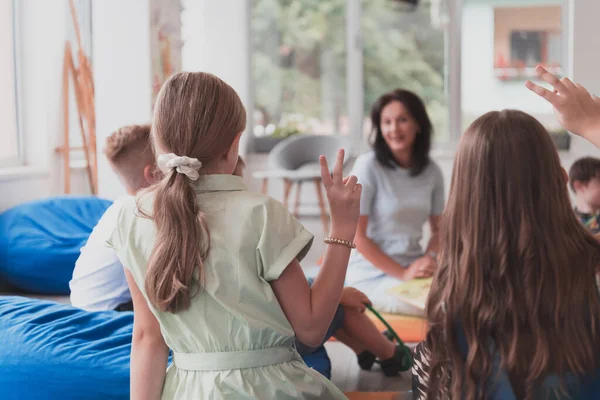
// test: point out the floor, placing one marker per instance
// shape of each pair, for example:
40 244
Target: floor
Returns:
347 375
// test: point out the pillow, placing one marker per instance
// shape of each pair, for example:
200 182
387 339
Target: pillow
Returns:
56 351
40 241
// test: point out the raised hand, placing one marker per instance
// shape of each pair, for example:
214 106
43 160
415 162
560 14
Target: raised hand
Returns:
343 196
576 109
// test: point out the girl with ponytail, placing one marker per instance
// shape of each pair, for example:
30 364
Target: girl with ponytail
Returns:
214 269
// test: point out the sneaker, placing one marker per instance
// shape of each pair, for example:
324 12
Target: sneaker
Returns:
396 364
366 359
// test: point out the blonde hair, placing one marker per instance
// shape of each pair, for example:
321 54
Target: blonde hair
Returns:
129 152
196 115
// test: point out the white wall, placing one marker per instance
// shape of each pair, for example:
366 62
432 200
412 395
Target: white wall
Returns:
216 38
122 74
121 63
481 90
8 114
41 35
585 57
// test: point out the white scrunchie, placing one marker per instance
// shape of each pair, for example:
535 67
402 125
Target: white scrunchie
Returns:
184 165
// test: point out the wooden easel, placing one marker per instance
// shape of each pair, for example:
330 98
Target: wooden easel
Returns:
83 87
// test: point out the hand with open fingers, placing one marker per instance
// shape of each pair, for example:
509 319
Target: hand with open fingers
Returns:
354 298
343 196
576 109
423 267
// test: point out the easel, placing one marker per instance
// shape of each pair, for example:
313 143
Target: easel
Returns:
83 87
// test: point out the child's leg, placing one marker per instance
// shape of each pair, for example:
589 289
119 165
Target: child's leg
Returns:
349 341
364 335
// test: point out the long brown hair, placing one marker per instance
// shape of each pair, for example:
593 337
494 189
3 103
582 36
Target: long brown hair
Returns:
517 269
196 115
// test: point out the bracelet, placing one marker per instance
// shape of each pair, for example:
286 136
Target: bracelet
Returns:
330 240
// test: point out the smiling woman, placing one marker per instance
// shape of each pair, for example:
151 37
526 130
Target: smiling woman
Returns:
402 189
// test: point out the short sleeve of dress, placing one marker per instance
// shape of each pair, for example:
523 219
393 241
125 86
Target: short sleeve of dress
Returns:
438 197
282 239
363 170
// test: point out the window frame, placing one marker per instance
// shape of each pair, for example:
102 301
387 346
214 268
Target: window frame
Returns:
19 159
355 78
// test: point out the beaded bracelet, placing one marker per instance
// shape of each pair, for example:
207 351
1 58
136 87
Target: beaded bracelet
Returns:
346 243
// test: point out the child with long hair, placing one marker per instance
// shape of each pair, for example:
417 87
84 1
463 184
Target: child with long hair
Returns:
514 312
214 269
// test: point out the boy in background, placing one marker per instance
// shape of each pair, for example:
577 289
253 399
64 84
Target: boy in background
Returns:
98 281
584 180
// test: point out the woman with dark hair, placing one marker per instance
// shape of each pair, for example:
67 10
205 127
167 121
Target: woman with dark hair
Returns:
402 190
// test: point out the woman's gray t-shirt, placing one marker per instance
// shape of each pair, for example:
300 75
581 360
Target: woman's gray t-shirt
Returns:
398 205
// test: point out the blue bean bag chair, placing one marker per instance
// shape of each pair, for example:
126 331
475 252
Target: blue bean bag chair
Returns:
58 352
55 351
40 241
319 361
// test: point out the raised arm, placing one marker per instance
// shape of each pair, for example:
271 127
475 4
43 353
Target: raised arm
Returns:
576 109
311 309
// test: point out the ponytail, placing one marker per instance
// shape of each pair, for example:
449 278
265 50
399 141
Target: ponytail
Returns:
182 244
196 119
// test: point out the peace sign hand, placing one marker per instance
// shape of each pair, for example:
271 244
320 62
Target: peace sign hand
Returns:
343 195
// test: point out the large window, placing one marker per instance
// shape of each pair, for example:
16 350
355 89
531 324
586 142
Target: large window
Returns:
299 67
317 65
9 133
403 48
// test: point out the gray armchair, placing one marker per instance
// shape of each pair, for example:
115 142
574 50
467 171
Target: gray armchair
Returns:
296 160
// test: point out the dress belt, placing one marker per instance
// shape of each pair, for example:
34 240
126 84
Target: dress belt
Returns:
227 360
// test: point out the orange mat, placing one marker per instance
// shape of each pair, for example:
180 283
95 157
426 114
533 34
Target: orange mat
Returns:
410 329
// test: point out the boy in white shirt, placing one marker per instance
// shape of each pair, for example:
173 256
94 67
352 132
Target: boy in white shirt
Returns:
98 281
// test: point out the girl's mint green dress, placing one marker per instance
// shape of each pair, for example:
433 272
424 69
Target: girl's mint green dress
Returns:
234 342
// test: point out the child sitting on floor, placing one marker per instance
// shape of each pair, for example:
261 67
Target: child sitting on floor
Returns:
98 282
584 180
353 328
513 311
